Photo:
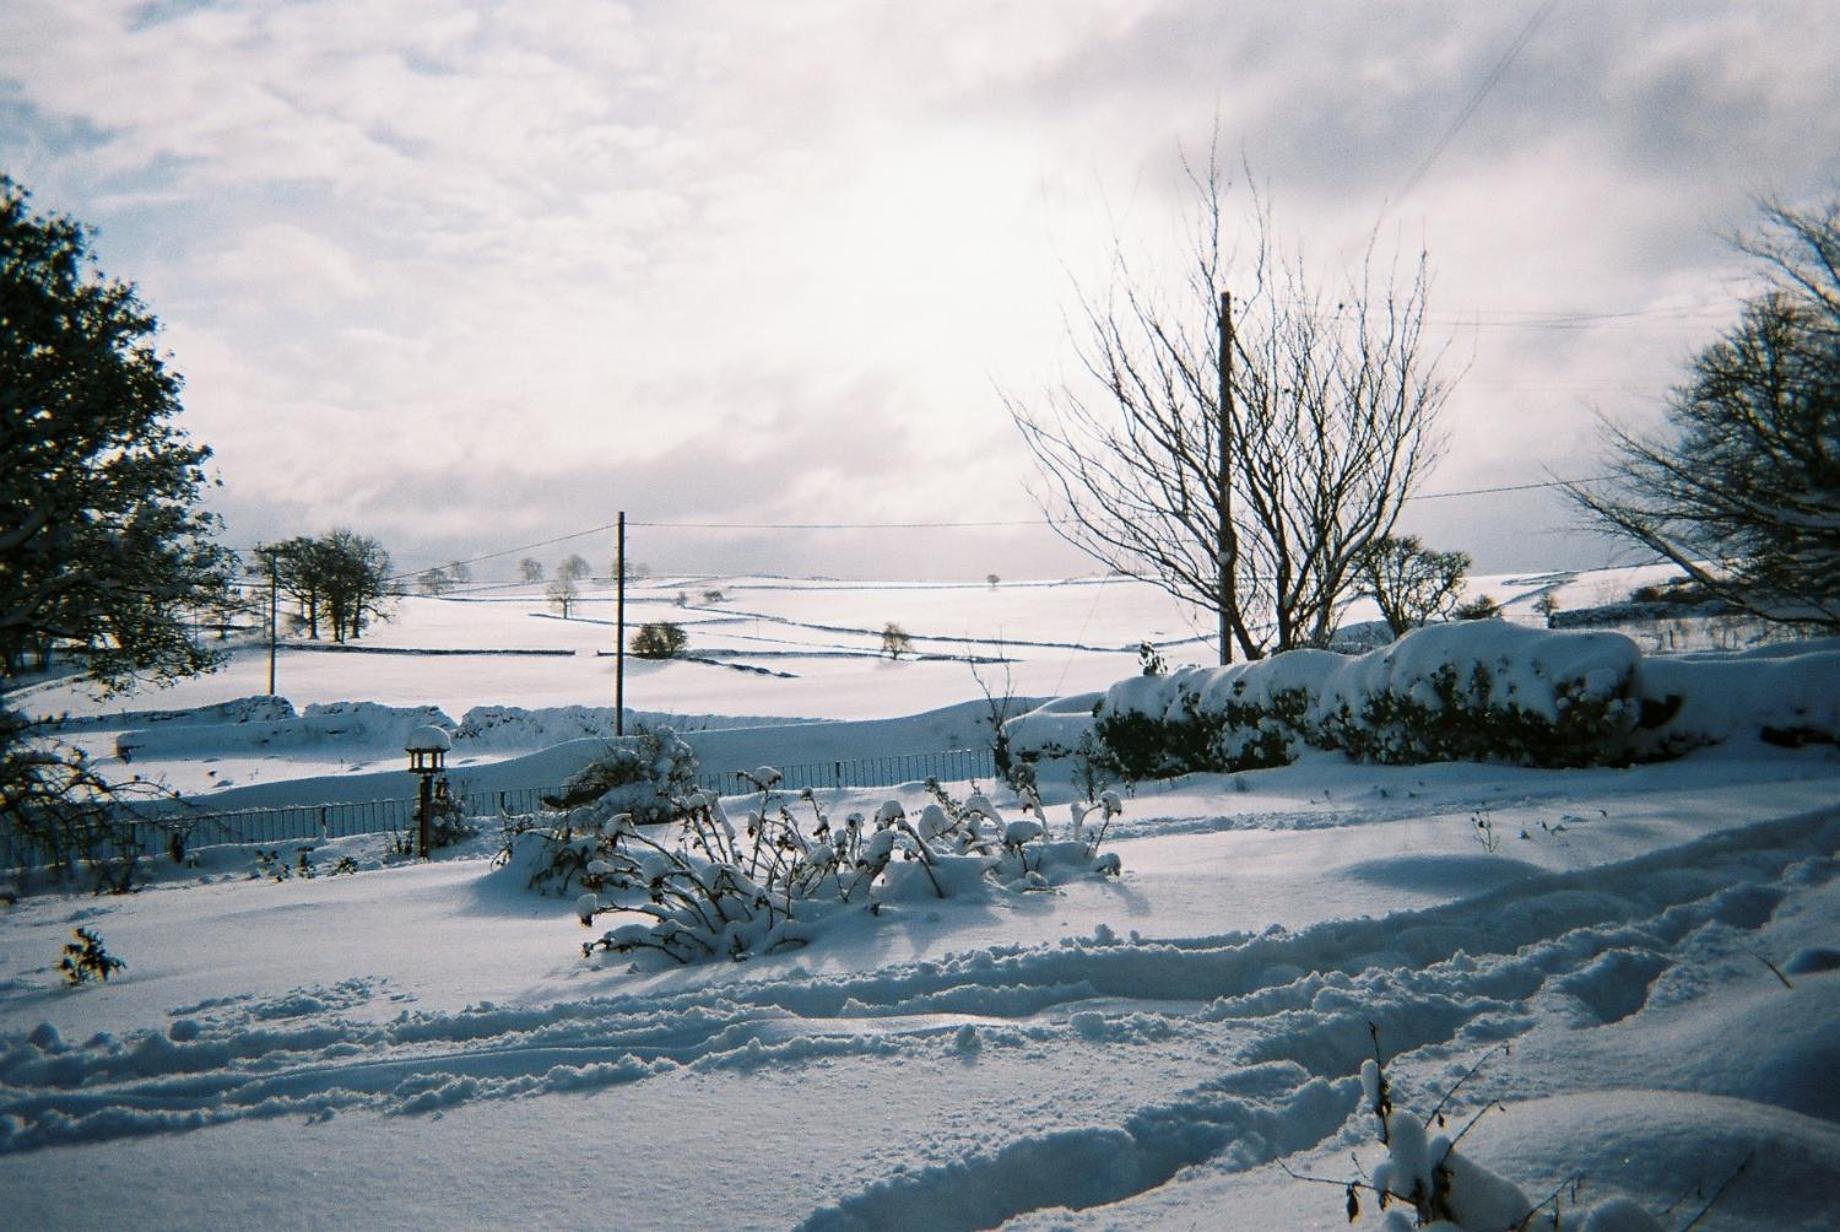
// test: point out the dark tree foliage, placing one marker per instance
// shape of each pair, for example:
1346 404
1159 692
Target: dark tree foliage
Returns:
340 577
659 640
102 543
1742 488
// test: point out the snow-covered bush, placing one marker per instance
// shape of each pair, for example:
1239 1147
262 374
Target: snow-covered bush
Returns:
722 891
642 774
447 820
1484 691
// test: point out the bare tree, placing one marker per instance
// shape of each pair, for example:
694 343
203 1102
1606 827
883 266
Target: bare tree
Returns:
1412 584
530 569
1000 703
562 592
1742 489
572 567
896 641
1242 454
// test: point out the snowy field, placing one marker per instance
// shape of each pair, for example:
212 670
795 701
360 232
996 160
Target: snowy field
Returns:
1645 962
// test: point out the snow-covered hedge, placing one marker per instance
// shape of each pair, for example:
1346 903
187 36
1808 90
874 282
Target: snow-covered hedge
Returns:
1473 690
351 724
1785 694
518 727
1243 717
1483 690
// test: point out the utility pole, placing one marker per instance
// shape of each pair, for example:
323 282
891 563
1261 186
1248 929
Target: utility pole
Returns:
1225 545
619 632
274 601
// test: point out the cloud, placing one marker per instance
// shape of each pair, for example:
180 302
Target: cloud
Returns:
467 272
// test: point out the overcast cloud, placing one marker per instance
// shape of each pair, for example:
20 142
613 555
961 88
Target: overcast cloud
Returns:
470 276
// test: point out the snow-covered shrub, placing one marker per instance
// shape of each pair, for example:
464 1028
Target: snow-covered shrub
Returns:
641 774
1484 691
731 892
447 820
722 891
554 858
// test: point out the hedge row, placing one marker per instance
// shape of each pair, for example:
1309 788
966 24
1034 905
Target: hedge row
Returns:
1470 691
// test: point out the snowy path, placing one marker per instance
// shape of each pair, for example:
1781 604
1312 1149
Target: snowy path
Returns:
1048 1059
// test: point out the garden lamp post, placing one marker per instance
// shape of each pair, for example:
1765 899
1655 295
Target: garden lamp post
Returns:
427 748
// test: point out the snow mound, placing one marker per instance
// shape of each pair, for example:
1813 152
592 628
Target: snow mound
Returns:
347 725
1053 729
1648 1147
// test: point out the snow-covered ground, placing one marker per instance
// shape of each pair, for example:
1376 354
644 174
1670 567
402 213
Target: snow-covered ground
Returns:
1658 948
425 1042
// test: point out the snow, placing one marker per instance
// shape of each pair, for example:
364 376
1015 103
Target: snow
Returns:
418 1043
428 738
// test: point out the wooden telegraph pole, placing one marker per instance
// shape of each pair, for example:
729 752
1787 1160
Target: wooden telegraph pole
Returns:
619 632
1225 545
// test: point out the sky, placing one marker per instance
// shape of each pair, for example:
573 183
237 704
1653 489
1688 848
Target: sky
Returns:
471 277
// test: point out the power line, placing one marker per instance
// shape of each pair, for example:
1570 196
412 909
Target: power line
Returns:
833 525
542 543
1511 487
464 589
1482 91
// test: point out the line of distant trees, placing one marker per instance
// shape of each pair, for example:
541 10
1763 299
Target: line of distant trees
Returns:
339 581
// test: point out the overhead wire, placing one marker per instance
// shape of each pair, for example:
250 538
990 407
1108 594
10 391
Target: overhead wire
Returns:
1482 91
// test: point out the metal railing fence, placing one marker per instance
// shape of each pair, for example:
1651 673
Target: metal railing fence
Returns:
950 766
307 822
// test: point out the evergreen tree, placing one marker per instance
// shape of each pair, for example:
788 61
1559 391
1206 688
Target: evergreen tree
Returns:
102 543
